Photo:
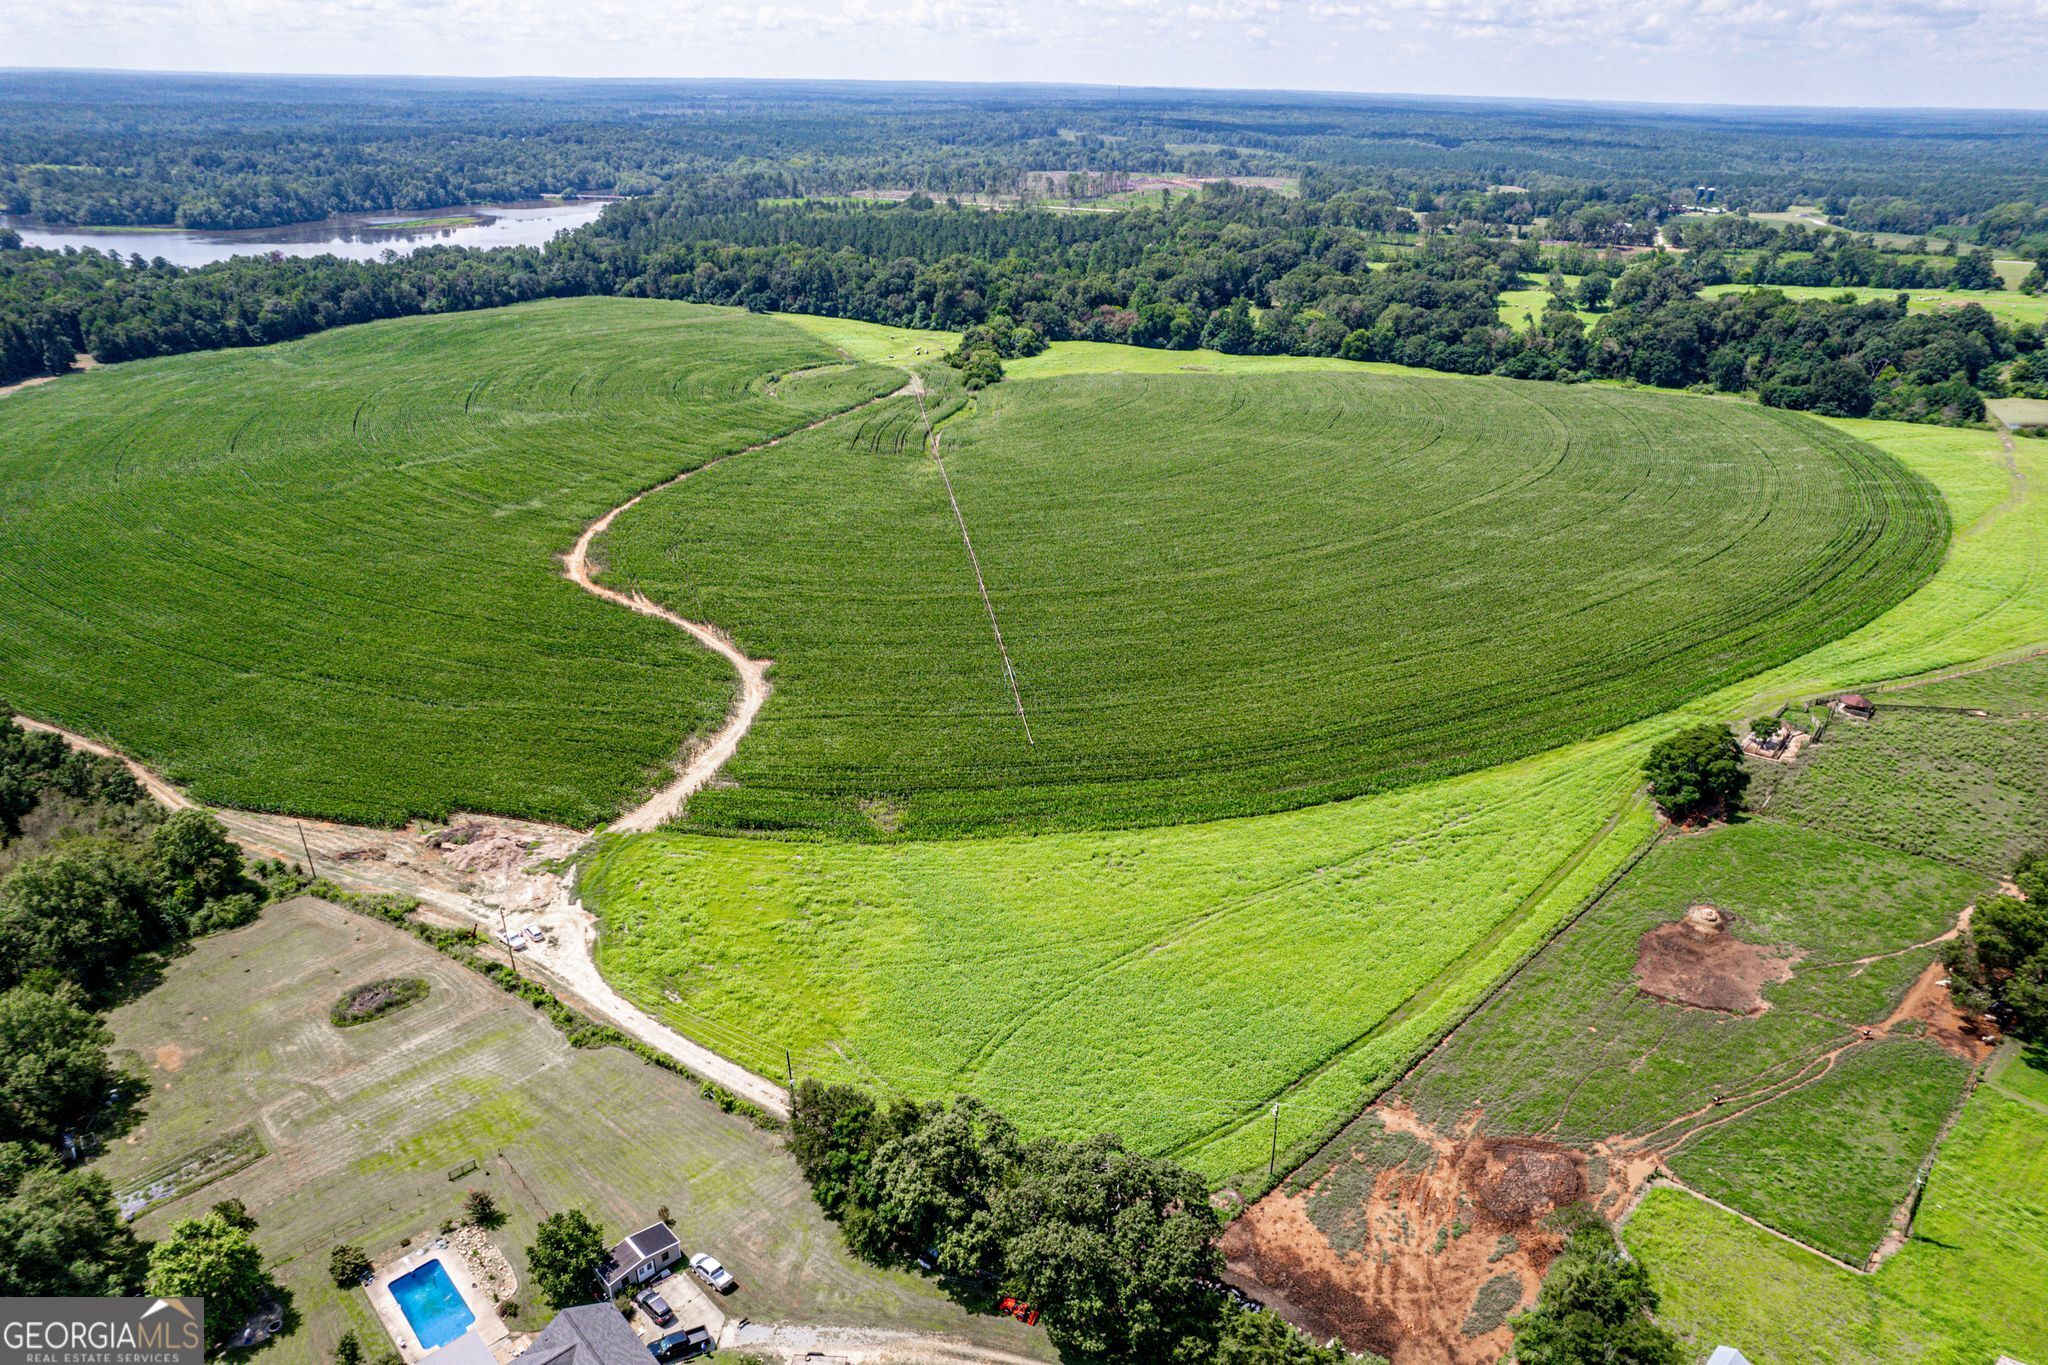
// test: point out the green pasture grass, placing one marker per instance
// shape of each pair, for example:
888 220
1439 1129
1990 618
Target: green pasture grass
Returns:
1936 782
2007 305
837 950
1829 1164
2011 273
1964 1289
1522 308
2019 688
2019 412
1573 1049
1226 594
324 577
873 343
363 1125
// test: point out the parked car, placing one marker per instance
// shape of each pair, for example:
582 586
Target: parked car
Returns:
536 933
684 1345
656 1306
707 1269
512 941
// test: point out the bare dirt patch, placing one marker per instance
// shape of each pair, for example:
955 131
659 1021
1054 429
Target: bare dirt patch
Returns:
169 1057
1930 1010
1695 961
1416 1244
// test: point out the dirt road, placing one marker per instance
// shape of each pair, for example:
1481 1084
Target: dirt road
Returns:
499 876
713 753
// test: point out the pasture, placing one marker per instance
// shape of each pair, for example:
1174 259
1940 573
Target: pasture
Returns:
1964 1289
323 577
2008 305
1233 594
361 1127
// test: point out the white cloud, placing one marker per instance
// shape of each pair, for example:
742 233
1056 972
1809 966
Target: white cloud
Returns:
1939 52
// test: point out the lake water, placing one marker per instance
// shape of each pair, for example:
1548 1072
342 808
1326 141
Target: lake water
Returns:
357 236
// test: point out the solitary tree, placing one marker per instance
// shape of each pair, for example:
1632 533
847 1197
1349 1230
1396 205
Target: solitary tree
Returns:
567 1249
212 1259
1764 727
348 1265
1695 770
481 1209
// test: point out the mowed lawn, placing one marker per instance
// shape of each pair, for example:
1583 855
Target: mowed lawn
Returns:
324 577
1230 594
362 1127
1171 984
1965 1289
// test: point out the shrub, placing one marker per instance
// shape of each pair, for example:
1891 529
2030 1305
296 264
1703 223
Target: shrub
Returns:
349 1267
375 999
482 1210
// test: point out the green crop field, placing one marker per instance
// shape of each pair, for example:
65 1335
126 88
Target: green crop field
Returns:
359 1129
1231 594
1171 983
323 577
1963 1290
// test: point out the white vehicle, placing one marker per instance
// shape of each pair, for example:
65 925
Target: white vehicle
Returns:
707 1269
512 940
536 933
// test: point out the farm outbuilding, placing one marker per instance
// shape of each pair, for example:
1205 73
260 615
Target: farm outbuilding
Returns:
1857 705
640 1257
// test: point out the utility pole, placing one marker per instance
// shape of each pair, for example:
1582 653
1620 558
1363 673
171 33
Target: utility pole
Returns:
505 937
312 870
1273 1159
790 1067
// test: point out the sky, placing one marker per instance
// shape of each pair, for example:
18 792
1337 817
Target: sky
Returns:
1887 53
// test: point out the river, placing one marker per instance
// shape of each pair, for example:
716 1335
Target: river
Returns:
357 236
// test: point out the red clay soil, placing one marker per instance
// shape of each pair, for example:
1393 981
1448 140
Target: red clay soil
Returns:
1420 1247
1695 961
1929 1005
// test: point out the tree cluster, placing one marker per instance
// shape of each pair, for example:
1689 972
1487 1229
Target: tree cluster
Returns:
1116 1251
2000 964
97 882
1595 1305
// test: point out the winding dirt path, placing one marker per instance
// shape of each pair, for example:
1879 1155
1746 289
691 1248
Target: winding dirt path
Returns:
712 754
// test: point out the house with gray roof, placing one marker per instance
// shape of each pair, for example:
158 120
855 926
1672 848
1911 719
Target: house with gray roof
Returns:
640 1258
588 1334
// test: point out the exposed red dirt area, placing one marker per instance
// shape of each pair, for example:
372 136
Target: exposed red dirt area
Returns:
1695 961
1929 1005
1398 1267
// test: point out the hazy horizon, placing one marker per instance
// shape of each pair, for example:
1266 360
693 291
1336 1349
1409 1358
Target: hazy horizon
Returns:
1881 54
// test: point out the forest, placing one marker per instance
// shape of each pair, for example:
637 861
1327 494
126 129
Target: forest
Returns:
212 151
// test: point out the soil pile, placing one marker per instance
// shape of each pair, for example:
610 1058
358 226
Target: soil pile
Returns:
1697 962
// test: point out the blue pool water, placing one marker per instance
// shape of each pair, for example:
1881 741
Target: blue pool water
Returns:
432 1304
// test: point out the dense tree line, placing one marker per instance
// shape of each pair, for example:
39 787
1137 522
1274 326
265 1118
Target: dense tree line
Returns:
97 882
1237 270
1116 1251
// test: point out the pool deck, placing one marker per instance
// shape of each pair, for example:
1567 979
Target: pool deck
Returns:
488 1327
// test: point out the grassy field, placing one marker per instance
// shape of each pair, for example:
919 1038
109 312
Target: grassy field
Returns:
1143 998
1229 594
1964 1289
2008 305
1578 1050
1520 308
323 577
361 1126
1940 783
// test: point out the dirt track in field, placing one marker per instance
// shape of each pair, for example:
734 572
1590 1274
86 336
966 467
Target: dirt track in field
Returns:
702 762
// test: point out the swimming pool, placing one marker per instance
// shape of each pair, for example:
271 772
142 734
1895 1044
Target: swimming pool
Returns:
432 1304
